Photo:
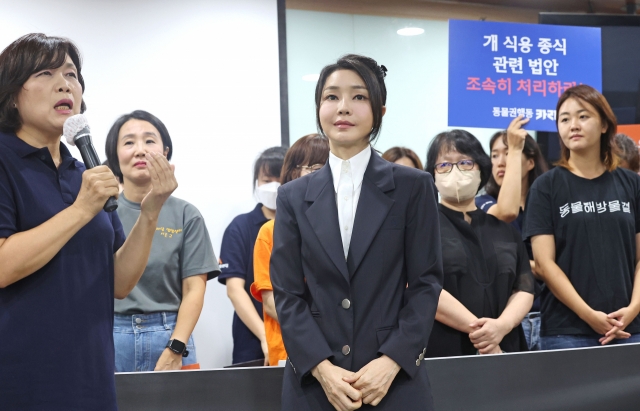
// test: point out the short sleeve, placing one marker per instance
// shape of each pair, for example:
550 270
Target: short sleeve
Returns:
8 224
119 236
232 256
197 256
538 218
485 202
637 197
524 278
261 261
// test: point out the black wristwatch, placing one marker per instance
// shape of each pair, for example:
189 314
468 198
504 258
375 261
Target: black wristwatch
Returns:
178 347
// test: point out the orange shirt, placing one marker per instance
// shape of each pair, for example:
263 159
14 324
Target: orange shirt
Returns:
262 282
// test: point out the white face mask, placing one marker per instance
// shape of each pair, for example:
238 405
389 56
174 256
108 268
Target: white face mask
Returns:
267 193
458 186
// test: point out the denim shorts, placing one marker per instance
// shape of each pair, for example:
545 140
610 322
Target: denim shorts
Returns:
140 339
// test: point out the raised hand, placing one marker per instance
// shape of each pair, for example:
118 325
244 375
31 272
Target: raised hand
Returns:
163 183
516 134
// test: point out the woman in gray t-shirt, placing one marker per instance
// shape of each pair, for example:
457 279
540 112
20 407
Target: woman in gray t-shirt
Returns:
153 324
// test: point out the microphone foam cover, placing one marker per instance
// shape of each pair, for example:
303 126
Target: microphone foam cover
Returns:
72 126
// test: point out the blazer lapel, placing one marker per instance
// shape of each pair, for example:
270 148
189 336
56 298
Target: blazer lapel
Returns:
323 216
373 207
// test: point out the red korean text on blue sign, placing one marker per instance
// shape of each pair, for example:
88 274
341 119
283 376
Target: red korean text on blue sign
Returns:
498 71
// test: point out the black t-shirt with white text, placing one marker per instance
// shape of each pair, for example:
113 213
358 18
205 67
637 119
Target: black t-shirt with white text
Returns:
594 223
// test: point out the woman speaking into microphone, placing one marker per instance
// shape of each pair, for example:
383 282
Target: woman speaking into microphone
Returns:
62 258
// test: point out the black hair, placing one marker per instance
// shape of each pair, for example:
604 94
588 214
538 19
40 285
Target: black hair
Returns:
269 162
373 76
531 151
111 146
27 55
464 143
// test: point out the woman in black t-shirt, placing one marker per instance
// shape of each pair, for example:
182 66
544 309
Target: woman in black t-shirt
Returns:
517 162
488 285
583 219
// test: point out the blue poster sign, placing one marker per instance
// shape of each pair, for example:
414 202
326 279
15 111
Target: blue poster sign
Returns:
498 71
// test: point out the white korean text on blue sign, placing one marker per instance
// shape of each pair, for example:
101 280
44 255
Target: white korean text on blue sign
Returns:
498 71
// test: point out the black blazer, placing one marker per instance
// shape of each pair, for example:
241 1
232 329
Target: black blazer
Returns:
381 300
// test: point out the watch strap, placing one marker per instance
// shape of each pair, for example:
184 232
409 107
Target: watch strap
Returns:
178 347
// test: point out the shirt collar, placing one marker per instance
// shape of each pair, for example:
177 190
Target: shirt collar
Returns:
122 200
458 214
65 155
22 149
17 145
358 165
257 216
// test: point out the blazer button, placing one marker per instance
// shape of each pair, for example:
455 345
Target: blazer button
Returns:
346 350
421 357
418 362
346 303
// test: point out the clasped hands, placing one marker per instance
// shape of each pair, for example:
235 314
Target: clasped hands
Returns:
347 390
487 335
611 326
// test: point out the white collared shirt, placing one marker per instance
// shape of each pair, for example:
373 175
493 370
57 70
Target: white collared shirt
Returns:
344 173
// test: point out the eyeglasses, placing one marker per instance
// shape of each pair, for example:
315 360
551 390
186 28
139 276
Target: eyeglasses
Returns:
463 165
311 169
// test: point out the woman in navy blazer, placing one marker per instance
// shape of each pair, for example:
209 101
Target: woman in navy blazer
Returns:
356 264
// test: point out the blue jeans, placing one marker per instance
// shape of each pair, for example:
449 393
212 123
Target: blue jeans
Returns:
531 328
140 339
562 342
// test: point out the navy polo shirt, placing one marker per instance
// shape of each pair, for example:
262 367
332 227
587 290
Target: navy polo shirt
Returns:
236 260
56 324
485 202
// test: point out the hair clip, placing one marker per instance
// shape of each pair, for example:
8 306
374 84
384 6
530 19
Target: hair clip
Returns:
383 70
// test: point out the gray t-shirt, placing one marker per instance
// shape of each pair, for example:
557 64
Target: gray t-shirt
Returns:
181 248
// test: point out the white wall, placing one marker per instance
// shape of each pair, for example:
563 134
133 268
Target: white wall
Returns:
417 80
208 69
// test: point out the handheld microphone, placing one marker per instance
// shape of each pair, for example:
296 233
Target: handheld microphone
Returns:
76 131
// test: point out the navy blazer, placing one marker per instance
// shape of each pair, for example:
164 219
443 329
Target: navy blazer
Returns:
381 300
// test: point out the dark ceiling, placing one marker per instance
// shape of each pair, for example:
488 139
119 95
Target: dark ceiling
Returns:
567 6
525 11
